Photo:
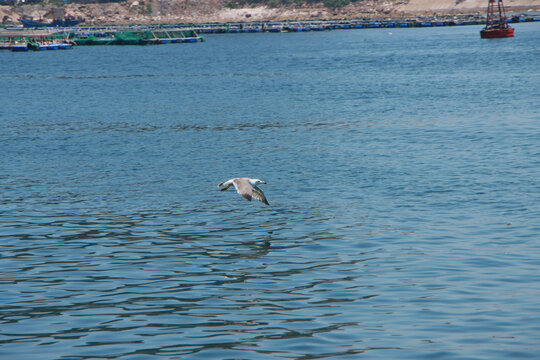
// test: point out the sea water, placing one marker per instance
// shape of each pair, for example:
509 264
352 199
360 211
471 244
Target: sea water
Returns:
403 177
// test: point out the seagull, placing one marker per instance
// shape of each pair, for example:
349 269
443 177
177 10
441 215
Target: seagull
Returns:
247 188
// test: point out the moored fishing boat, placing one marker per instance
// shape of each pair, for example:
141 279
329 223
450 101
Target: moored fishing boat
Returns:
19 47
55 17
36 46
52 46
30 23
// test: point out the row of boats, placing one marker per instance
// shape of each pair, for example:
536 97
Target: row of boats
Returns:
66 40
35 42
40 47
322 25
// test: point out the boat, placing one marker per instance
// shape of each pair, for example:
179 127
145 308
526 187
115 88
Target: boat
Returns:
496 27
19 47
56 17
29 23
36 46
65 46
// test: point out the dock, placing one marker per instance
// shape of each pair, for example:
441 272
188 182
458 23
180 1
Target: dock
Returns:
56 39
132 36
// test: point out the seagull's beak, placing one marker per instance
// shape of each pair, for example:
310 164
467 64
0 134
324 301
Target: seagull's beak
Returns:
263 182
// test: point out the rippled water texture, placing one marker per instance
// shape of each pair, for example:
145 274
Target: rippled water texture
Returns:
402 170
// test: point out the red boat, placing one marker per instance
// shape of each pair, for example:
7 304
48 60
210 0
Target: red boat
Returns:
496 28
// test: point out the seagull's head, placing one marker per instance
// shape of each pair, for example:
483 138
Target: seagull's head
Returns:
257 181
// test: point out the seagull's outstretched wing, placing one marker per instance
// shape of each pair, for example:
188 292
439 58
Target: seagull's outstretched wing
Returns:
259 195
226 184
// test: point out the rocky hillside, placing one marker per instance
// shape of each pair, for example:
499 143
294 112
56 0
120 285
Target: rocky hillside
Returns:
198 11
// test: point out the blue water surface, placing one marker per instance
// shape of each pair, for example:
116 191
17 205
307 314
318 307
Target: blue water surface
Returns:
403 177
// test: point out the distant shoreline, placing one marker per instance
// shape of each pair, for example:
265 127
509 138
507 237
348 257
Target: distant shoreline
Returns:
138 12
198 31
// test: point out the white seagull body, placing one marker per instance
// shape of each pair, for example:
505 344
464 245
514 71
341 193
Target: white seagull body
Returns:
247 188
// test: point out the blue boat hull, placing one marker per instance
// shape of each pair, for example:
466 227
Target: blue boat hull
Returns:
18 48
60 23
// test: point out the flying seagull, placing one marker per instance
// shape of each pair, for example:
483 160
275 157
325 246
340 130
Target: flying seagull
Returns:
247 188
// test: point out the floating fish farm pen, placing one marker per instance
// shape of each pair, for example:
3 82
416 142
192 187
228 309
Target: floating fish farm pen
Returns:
320 25
134 37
